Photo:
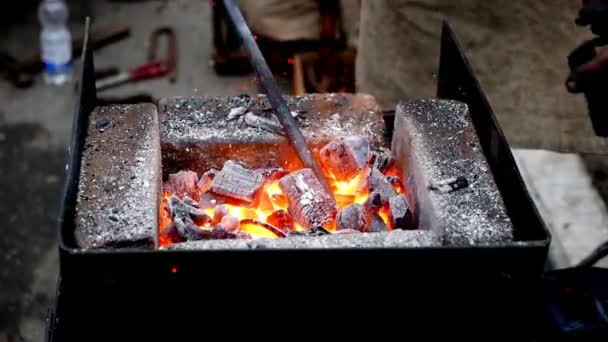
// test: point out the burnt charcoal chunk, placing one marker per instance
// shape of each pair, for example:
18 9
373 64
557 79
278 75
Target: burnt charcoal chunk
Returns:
220 233
353 217
373 202
189 231
282 220
272 174
309 203
204 183
179 209
345 157
230 223
396 183
269 125
375 181
183 183
170 233
219 212
317 231
400 214
237 182
210 201
450 184
377 224
382 160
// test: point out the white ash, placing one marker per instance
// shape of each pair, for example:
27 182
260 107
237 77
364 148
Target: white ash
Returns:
196 118
440 143
117 202
394 239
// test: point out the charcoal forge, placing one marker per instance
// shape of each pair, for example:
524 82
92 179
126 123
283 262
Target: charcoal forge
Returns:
218 173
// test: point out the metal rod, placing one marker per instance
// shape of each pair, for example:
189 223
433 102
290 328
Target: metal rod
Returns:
269 84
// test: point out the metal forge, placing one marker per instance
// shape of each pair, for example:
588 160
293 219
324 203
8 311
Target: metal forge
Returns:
464 216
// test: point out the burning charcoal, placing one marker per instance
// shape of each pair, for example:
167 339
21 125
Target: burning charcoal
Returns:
230 223
170 233
396 183
375 181
189 231
345 157
400 214
269 125
272 174
210 201
373 202
179 209
343 200
450 184
205 182
377 224
309 203
265 203
237 182
353 217
219 212
183 183
276 231
381 160
282 220
280 200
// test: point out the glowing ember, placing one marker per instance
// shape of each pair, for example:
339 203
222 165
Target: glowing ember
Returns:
271 199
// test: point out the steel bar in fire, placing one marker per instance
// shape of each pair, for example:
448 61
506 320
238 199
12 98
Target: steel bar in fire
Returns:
272 90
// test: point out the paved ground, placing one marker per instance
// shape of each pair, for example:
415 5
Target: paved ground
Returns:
35 126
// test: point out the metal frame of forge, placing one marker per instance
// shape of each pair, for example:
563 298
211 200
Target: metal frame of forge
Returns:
107 288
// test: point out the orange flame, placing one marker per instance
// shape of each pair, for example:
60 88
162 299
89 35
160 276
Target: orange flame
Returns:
345 193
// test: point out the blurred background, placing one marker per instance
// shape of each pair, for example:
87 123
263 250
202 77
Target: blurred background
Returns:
386 48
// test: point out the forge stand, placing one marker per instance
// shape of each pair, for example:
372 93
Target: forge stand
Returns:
144 294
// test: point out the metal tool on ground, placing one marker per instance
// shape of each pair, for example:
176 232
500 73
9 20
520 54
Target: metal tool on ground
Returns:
269 84
153 68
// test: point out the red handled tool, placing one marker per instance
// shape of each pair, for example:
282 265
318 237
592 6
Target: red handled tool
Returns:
152 69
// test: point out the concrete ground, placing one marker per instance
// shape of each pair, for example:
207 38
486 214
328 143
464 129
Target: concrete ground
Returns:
35 126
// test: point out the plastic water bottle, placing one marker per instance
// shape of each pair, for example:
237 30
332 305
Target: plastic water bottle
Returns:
55 41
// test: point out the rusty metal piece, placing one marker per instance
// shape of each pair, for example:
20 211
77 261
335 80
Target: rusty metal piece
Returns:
171 57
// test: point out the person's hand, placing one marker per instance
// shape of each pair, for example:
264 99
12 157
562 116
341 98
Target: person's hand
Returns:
589 75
